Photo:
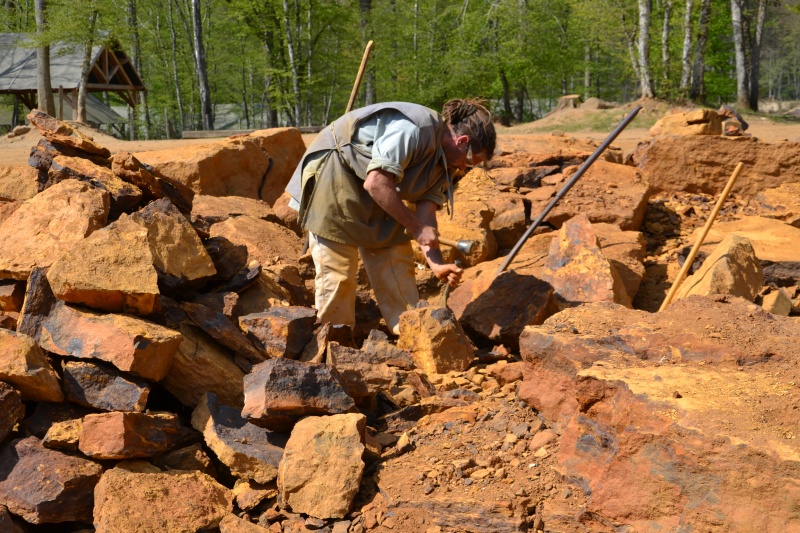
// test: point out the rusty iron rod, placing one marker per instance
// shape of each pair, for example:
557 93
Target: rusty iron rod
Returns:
696 248
565 189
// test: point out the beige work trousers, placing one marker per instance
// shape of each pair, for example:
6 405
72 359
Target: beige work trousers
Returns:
390 271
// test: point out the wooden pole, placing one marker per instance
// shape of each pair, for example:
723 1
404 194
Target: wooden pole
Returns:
690 259
360 75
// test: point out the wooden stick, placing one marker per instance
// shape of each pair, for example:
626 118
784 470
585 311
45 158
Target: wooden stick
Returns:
696 248
360 75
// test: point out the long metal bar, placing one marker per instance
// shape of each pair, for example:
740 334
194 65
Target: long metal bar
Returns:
567 186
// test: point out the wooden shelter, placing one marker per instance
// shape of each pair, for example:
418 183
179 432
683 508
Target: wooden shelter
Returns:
111 71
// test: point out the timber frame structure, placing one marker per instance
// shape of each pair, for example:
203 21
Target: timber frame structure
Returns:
111 70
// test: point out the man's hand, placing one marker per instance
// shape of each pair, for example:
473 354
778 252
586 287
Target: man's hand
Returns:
448 272
427 236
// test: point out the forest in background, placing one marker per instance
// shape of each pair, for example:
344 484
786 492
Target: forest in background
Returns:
274 63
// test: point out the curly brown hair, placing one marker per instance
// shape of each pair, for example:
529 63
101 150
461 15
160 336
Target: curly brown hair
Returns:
471 118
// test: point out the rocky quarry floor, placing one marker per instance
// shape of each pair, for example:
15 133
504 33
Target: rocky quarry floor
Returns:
161 368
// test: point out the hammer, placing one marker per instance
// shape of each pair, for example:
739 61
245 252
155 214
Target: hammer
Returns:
464 246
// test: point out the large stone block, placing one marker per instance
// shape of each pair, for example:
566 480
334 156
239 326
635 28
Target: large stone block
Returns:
201 365
279 392
361 377
321 469
129 343
267 242
178 254
24 365
119 278
49 224
695 122
125 435
46 486
732 268
154 186
280 331
17 183
178 502
435 339
102 387
209 210
579 271
249 451
55 130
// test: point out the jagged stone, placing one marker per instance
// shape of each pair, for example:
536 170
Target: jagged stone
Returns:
37 305
732 268
377 349
8 320
226 303
361 378
221 328
494 309
179 502
228 258
119 278
316 348
189 458
695 122
17 183
777 303
522 176
234 524
607 192
322 467
102 387
55 130
46 414
200 365
249 494
26 368
178 254
64 435
129 343
248 450
510 220
435 339
7 523
578 270
626 252
280 331
125 435
124 197
49 224
11 409
12 295
267 242
279 392
258 165
782 203
46 486
154 186
209 210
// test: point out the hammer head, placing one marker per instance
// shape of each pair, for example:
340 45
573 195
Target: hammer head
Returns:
465 246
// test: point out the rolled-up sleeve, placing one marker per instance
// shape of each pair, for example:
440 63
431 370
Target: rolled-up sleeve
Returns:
394 146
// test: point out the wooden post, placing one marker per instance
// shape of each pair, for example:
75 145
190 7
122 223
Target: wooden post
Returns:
690 259
60 102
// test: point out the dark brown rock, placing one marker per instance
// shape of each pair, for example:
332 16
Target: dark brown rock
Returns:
7 523
102 387
11 409
316 348
221 328
279 392
280 331
12 294
228 258
129 343
378 349
361 378
38 303
494 309
46 414
248 450
189 458
43 153
46 486
153 184
119 435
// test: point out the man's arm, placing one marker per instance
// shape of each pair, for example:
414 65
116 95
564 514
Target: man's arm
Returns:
426 212
380 185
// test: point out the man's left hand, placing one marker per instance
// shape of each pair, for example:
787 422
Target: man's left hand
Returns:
448 272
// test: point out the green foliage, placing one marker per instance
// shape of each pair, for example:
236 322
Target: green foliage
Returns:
520 54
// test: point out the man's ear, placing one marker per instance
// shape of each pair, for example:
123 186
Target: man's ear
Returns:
462 139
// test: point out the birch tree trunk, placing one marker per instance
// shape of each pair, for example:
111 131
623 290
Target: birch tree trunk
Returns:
665 55
645 77
686 62
742 84
175 77
755 54
292 63
698 88
44 87
200 66
365 6
133 24
87 63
